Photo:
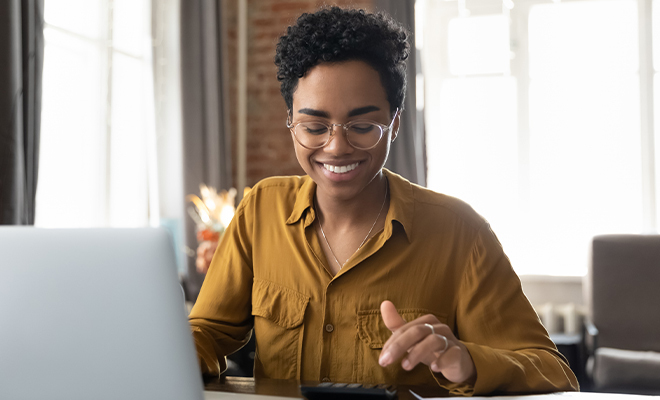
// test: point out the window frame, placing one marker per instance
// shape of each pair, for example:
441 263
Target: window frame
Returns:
102 40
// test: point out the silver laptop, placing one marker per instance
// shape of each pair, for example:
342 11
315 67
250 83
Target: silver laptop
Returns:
93 314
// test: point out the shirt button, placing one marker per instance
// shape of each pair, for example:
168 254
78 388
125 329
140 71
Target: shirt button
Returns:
329 328
326 379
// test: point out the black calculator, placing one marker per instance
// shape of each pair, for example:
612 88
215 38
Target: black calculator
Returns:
357 391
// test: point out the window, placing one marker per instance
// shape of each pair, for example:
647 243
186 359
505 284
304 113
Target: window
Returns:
535 117
97 150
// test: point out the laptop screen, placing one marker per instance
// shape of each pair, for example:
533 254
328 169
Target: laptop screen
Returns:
93 313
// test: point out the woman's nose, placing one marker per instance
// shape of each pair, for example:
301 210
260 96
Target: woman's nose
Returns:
338 144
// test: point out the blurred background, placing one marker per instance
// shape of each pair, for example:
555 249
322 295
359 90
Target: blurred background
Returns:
537 113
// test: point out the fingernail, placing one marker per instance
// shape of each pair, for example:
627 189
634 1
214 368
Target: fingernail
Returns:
385 359
405 364
435 368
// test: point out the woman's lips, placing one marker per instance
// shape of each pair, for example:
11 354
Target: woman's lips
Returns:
340 173
341 169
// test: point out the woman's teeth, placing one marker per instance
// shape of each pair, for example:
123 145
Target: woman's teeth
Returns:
340 170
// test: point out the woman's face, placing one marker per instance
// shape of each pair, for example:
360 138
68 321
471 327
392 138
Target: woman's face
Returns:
339 93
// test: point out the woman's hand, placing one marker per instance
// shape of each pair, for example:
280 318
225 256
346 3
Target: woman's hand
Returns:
418 343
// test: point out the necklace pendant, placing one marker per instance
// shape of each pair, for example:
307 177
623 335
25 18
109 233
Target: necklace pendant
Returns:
365 238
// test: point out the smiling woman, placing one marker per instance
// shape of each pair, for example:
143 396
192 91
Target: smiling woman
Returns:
316 264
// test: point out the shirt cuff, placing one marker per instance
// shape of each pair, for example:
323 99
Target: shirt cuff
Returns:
209 362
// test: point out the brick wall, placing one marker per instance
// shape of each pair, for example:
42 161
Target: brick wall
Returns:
269 146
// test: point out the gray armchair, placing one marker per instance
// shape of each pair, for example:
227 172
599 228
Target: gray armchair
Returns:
623 294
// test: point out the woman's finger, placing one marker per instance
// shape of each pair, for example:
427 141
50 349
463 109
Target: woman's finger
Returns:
402 341
390 315
455 364
426 351
426 319
446 359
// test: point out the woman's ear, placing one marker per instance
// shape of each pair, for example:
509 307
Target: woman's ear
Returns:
289 117
289 121
395 126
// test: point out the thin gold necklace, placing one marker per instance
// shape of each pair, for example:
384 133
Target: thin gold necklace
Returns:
365 238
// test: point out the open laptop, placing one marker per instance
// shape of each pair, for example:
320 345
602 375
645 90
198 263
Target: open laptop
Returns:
93 314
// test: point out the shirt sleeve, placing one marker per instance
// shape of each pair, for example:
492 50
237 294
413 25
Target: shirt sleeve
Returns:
221 319
511 349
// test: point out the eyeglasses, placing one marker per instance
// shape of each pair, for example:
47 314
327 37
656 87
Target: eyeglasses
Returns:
361 134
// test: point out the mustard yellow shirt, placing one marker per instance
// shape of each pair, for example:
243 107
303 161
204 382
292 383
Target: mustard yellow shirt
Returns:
435 255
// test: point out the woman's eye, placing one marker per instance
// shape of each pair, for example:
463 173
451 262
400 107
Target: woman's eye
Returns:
362 128
314 128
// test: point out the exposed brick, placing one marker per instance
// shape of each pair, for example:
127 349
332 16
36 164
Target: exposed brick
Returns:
262 22
288 7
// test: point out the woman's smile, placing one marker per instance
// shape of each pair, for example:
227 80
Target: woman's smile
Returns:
341 169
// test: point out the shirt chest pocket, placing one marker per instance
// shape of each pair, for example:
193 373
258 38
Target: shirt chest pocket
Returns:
278 327
372 335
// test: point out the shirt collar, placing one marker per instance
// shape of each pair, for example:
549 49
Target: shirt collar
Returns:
304 200
402 203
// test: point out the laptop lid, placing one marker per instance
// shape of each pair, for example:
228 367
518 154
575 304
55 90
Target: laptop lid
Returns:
93 314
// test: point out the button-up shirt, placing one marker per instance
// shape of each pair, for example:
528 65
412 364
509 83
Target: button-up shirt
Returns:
435 255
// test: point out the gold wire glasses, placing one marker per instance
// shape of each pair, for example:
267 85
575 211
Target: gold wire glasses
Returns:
362 134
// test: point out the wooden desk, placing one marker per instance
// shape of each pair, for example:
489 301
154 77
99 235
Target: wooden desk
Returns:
286 388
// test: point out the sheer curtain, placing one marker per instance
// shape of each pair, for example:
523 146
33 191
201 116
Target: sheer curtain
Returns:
21 63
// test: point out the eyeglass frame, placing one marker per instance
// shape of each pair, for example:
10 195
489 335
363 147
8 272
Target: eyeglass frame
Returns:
331 128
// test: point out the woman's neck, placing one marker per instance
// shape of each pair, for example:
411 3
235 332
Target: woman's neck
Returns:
345 212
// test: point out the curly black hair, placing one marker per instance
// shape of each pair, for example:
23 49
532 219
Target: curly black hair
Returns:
333 35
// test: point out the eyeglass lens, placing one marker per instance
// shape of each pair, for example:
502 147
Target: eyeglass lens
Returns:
361 135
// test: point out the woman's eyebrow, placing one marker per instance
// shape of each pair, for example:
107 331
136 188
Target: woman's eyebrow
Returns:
314 113
362 110
352 113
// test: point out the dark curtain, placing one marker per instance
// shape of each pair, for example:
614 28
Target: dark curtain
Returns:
408 153
21 65
206 137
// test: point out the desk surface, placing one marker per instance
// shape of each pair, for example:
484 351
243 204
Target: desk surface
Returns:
290 388
286 388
